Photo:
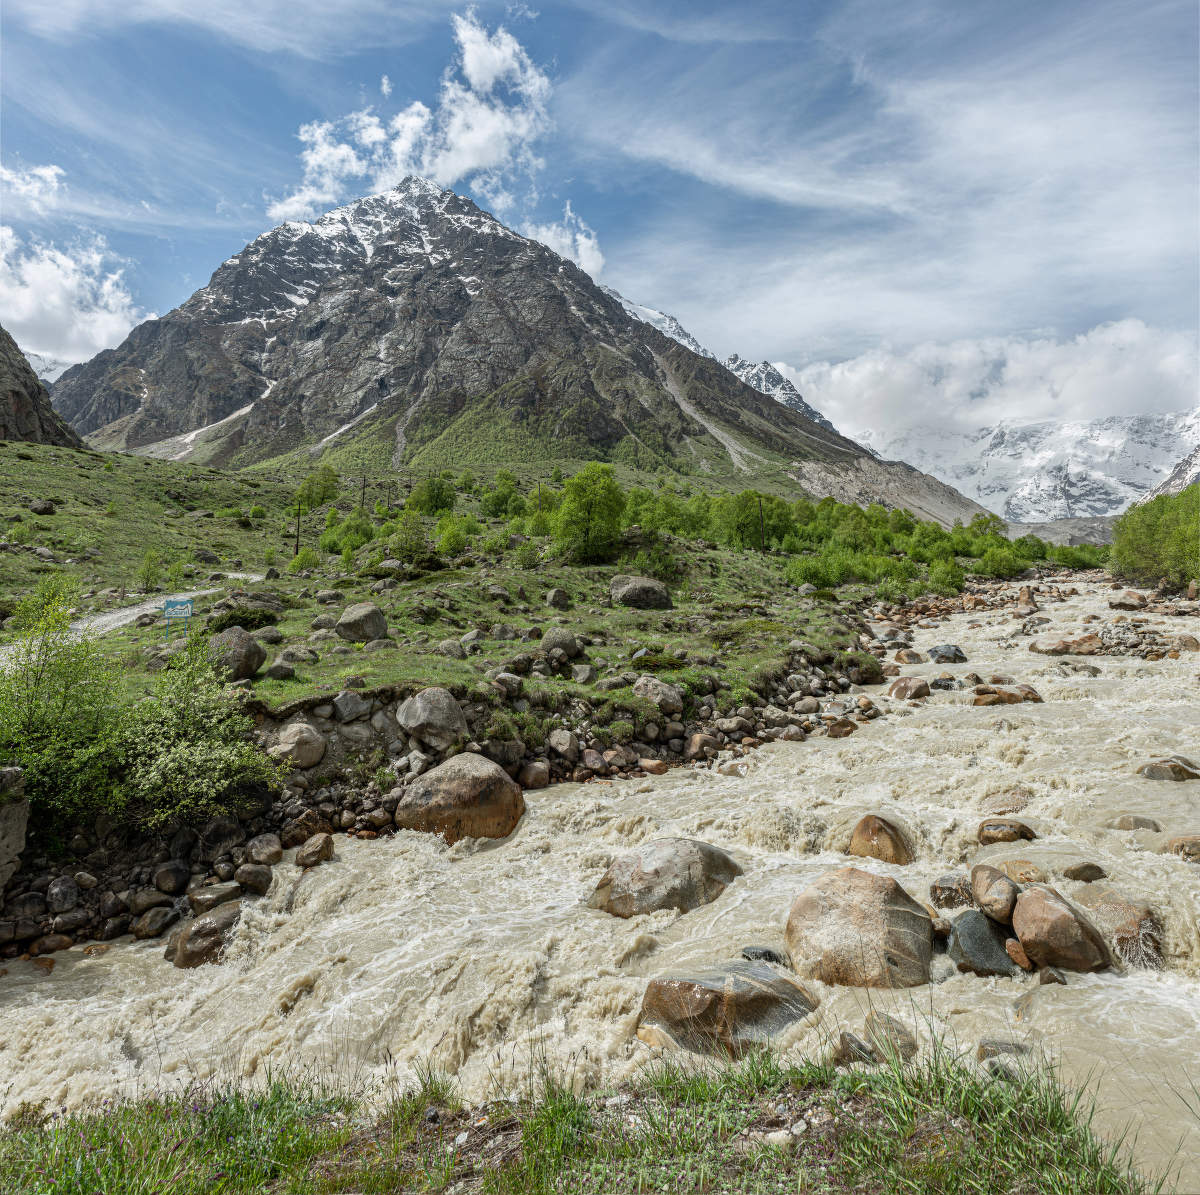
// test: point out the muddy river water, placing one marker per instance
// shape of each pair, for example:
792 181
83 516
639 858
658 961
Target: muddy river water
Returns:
483 959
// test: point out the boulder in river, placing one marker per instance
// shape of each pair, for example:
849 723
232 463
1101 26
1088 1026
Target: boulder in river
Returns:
318 849
668 873
468 796
1054 934
1170 767
737 1006
1004 829
947 653
1130 924
876 838
433 716
858 929
203 940
977 945
909 688
994 892
1186 846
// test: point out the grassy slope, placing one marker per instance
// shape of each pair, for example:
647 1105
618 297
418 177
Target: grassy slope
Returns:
934 1126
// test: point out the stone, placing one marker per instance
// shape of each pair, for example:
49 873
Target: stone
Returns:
155 922
1185 642
994 892
535 774
1086 872
640 593
733 1008
653 767
14 820
204 940
265 849
947 653
207 898
763 954
434 717
1129 600
950 892
877 838
42 506
559 638
668 698
269 635
1009 829
1016 952
361 623
996 1047
318 849
1171 767
280 671
236 654
468 796
1131 925
452 648
50 943
889 1037
300 829
858 929
62 895
841 728
976 945
667 873
1056 935
563 742
1134 821
218 837
851 1049
558 599
583 674
909 688
701 746
172 877
145 899
1023 871
1051 975
1186 846
348 706
254 877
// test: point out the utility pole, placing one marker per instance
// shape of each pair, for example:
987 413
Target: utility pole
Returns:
297 551
362 502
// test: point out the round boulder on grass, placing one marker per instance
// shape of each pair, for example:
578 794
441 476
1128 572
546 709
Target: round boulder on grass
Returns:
236 654
362 622
640 593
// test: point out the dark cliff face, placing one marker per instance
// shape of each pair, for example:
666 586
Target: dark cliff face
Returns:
25 410
418 307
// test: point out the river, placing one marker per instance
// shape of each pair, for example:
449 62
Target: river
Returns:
483 959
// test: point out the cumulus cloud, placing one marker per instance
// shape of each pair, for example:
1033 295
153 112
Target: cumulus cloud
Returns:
1113 369
490 112
571 238
66 303
30 191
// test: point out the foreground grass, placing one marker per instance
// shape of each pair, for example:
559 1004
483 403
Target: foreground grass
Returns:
930 1126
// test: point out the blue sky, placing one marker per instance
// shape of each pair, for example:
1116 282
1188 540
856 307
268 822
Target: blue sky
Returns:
900 202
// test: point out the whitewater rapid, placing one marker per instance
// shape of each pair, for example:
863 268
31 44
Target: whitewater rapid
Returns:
483 959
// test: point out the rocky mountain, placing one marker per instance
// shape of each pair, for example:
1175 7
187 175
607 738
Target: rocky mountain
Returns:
1185 473
413 329
25 410
49 369
1033 473
766 379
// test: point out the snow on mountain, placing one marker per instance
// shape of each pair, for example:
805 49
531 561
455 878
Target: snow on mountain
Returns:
1043 471
1186 473
766 379
763 376
49 369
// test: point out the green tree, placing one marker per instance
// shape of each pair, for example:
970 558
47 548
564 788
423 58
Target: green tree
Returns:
318 487
432 496
149 571
587 524
409 542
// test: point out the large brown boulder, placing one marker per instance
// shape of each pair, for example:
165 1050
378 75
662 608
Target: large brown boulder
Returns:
433 716
994 892
668 873
299 744
1171 767
642 593
362 622
203 940
855 928
1054 934
877 838
236 654
1131 925
909 688
736 1007
466 797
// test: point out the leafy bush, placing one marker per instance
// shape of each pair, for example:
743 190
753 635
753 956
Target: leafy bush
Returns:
304 560
408 542
945 577
432 496
527 556
1001 562
587 524
1159 539
249 618
149 571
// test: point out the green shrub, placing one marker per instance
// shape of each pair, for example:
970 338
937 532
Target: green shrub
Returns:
432 496
527 556
249 618
1001 562
304 560
1159 539
258 512
587 523
149 571
945 577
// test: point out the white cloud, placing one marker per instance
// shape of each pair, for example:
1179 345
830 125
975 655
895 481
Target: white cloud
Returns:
571 238
31 190
490 112
64 303
385 87
1114 369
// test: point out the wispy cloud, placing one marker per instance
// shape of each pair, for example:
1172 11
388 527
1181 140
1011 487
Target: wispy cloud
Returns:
570 237
64 302
32 190
482 132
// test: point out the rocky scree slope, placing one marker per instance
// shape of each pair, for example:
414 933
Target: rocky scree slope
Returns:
416 322
25 410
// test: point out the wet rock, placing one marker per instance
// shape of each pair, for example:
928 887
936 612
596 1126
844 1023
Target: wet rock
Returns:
265 849
361 623
147 898
763 954
889 1037
947 653
172 877
996 1047
466 797
641 593
50 944
841 728
738 1006
857 929
907 655
62 895
668 698
668 873
1129 600
1055 935
950 891
1009 829
204 900
535 774
851 1048
218 837
155 922
701 746
1048 975
977 945
1016 952
653 767
1171 767
1085 871
300 829
254 877
876 838
1134 821
1186 846
909 688
1131 925
994 892
236 654
1023 871
434 717
318 849
204 940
